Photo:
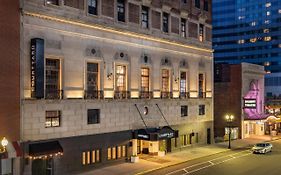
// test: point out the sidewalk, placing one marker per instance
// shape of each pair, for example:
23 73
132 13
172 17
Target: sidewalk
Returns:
148 163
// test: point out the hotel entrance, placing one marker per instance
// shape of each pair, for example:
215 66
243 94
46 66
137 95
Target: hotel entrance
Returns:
153 141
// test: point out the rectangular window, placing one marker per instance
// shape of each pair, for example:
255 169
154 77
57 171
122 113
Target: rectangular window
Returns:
90 157
52 119
93 7
201 86
92 80
119 152
201 32
93 116
124 151
197 3
53 79
144 79
120 78
206 5
109 157
121 10
201 109
165 80
144 17
165 21
113 149
183 82
53 2
184 140
183 27
184 111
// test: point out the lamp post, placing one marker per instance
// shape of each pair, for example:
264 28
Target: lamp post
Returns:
4 143
229 119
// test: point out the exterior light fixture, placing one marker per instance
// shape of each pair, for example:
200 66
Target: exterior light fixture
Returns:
229 119
4 143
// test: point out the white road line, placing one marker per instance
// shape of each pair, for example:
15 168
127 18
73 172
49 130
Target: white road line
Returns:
211 162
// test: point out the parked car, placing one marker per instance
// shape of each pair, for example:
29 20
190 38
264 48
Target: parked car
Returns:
262 148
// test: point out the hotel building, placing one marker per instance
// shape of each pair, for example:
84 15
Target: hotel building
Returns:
102 81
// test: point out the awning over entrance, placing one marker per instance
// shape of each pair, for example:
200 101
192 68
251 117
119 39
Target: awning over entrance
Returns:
45 149
155 134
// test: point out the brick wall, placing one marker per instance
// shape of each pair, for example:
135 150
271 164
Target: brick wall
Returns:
9 77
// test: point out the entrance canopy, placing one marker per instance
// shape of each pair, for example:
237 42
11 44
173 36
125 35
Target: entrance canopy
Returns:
52 148
155 134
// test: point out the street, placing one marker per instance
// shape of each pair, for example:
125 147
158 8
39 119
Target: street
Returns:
236 162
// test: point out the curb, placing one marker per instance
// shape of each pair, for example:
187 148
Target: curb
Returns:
161 167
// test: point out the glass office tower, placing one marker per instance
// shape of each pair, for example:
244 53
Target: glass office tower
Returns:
249 31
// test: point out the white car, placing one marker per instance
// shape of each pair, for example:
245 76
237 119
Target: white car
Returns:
262 148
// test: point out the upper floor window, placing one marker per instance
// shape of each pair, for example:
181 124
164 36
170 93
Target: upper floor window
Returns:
183 28
183 82
144 17
197 3
92 81
53 2
165 20
121 78
93 7
165 80
93 116
184 111
201 32
144 79
52 80
184 1
206 5
201 85
52 119
201 109
91 157
121 10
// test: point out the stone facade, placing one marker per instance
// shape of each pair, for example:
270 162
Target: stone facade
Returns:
76 38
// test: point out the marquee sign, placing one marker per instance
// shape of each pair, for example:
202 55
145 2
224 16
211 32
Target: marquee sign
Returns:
37 67
250 103
154 134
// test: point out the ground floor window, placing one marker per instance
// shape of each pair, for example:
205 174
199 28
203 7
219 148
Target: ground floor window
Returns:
184 139
90 157
117 152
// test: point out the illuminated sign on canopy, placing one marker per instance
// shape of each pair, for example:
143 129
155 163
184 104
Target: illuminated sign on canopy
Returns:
250 103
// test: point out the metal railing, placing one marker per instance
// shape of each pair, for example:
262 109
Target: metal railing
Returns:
93 94
122 95
201 94
166 95
146 95
184 95
53 94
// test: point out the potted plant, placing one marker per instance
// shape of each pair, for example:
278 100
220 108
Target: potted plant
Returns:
134 158
161 151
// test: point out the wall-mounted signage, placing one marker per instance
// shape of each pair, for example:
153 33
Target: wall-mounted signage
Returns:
37 67
250 103
155 134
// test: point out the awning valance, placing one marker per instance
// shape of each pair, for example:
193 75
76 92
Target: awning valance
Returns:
155 134
45 148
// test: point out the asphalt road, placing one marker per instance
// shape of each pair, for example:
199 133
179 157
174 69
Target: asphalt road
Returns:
237 162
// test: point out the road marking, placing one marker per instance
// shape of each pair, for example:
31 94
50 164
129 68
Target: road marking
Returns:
211 162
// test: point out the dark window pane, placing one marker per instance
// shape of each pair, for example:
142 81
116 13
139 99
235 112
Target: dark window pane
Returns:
93 116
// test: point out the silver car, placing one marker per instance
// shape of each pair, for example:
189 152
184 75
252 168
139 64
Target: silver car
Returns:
262 148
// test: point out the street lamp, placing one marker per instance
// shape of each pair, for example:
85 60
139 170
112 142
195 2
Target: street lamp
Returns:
4 143
229 119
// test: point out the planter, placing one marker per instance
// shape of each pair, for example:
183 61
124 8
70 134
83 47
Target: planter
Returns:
134 159
161 153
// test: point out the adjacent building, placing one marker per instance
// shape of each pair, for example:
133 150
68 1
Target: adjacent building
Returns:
103 80
249 31
239 91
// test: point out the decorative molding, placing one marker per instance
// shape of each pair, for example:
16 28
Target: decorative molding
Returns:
93 52
166 61
122 55
145 59
183 64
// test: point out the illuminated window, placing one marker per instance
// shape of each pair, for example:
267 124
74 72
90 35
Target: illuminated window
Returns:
183 27
265 30
267 13
268 4
253 23
165 80
267 38
90 157
241 17
253 40
109 154
267 63
92 80
144 79
266 21
279 45
120 78
201 85
241 41
53 2
183 82
279 11
52 119
124 151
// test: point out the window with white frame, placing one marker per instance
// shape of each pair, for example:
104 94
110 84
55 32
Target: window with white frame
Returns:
121 78
165 80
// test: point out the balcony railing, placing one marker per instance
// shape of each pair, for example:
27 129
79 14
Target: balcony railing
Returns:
201 94
122 95
93 94
146 95
184 95
53 94
166 95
